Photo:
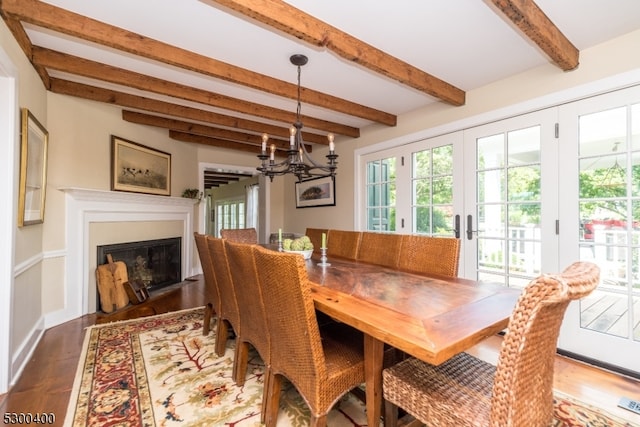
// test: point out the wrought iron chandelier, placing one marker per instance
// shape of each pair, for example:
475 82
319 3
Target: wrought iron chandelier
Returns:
298 161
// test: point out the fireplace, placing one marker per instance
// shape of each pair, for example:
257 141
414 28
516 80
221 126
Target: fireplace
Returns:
98 217
157 263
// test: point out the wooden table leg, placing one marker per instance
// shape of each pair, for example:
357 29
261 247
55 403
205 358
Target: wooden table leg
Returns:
373 355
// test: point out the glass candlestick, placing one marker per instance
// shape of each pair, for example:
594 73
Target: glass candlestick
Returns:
323 257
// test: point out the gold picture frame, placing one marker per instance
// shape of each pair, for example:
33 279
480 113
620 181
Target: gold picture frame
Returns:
139 169
33 169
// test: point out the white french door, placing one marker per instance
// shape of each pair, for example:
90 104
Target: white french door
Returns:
600 218
414 189
535 193
511 196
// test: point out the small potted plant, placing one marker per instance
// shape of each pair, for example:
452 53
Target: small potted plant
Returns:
192 193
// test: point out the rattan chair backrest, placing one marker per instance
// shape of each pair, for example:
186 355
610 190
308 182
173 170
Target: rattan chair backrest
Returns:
296 350
228 303
253 319
429 255
315 235
343 244
241 235
380 248
207 267
523 383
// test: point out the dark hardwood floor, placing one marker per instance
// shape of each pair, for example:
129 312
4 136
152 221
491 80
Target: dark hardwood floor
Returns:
47 380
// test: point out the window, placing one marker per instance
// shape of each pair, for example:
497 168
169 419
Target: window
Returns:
230 214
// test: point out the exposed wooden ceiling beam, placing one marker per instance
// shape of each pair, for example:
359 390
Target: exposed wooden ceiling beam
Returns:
297 23
216 142
83 67
22 38
198 129
65 87
57 19
536 25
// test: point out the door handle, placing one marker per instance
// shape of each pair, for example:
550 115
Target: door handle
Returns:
470 230
456 226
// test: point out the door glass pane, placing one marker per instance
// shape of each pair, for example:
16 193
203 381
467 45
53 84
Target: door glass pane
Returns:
635 127
432 191
381 194
491 186
609 187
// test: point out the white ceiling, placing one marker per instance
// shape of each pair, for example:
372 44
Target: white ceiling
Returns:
464 42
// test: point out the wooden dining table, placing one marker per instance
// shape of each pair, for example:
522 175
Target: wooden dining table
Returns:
430 318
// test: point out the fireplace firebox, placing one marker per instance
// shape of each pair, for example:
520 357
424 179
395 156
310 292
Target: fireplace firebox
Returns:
157 263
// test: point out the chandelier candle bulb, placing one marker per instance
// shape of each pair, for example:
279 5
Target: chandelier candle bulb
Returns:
265 137
292 136
332 145
273 152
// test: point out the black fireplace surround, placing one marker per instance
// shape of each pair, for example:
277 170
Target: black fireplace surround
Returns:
158 263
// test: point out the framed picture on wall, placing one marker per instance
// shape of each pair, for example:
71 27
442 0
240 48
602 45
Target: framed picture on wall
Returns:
139 169
316 192
34 140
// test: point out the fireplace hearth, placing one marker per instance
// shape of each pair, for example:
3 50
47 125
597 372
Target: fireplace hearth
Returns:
157 263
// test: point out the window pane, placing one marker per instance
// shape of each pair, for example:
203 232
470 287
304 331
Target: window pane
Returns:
603 132
422 217
524 183
422 164
490 152
491 186
524 146
443 189
443 220
443 160
422 191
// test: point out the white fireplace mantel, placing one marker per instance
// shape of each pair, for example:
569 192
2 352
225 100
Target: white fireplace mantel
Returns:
86 206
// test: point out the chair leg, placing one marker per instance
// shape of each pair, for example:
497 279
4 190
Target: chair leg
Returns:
241 362
222 333
274 384
319 421
265 394
390 414
206 322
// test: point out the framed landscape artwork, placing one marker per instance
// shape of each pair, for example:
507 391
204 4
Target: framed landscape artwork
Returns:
139 169
316 192
33 169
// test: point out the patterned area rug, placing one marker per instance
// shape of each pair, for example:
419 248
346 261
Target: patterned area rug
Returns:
161 371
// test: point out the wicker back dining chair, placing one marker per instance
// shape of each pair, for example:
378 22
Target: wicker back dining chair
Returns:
253 320
211 288
253 317
343 244
380 248
323 364
467 391
241 235
429 255
315 235
228 314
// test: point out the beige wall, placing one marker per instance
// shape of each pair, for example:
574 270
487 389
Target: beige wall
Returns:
26 305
